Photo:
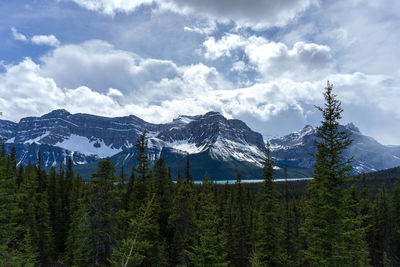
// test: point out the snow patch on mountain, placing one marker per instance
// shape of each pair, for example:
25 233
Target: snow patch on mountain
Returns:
186 146
11 140
37 139
88 147
224 149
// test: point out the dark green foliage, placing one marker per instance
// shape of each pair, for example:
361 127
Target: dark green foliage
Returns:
142 183
132 250
395 220
15 242
164 194
269 236
333 231
183 223
381 229
209 248
102 212
239 243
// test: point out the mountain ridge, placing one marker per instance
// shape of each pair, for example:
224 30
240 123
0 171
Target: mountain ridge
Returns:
221 146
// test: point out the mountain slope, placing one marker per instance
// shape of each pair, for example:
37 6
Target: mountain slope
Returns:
369 155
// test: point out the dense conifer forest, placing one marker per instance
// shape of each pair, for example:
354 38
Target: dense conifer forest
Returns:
57 219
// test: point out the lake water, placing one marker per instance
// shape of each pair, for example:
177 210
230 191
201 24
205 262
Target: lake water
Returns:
255 180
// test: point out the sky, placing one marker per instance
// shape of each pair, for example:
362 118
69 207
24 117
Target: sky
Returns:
265 62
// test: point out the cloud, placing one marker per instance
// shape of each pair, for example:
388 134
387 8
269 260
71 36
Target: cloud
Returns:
18 36
114 92
223 47
49 40
256 14
111 7
98 65
205 28
194 91
30 88
354 31
304 61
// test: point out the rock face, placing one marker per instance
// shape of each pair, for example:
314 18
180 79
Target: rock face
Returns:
7 129
369 155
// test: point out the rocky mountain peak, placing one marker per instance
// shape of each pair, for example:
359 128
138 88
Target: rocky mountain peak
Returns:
351 127
58 113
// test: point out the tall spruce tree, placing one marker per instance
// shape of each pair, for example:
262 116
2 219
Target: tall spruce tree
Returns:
209 250
132 250
15 246
381 229
183 223
142 182
395 220
163 187
239 248
333 232
102 211
268 245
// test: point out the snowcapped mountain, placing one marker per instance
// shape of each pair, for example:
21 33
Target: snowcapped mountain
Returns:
369 155
216 145
89 137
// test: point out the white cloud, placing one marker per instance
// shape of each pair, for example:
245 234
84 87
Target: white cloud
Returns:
363 35
111 7
205 28
49 40
223 47
98 65
29 88
18 36
240 66
114 92
257 14
304 61
194 91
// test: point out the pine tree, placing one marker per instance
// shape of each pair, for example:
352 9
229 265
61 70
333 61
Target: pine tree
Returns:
132 251
142 190
183 223
381 232
365 213
129 190
188 174
79 248
60 212
209 250
268 246
44 238
15 246
227 222
102 211
164 187
239 247
333 232
395 220
142 183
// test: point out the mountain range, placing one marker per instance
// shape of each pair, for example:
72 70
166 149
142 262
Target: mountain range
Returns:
216 145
